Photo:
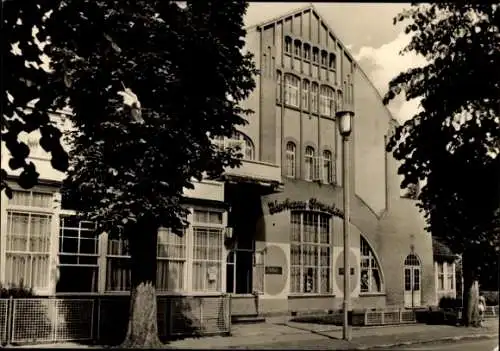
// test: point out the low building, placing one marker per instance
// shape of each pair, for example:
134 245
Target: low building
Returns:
269 232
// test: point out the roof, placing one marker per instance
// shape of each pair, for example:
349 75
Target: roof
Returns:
441 252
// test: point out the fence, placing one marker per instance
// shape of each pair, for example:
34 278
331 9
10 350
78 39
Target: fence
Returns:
383 317
52 320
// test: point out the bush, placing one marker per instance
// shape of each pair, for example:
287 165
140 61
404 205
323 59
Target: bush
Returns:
447 302
491 298
16 292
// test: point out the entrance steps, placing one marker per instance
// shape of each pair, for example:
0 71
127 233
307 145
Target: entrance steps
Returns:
247 319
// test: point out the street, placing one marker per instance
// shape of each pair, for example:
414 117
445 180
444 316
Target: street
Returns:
466 345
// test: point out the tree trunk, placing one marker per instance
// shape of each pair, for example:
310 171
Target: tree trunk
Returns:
143 325
470 314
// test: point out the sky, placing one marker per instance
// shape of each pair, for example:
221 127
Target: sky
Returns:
367 30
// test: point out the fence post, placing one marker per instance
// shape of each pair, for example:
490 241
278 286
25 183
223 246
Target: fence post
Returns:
10 320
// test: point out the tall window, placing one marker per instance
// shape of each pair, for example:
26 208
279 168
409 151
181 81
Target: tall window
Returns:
171 254
315 55
324 56
326 101
28 230
332 62
288 45
340 100
307 52
309 161
327 167
290 159
441 276
314 97
78 255
292 86
278 86
118 272
305 95
310 253
370 271
207 250
297 48
450 276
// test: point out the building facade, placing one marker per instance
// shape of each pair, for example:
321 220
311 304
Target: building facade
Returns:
268 232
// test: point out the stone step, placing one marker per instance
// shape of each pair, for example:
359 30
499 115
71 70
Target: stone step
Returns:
247 319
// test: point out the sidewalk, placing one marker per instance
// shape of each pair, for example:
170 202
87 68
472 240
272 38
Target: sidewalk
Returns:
281 334
286 333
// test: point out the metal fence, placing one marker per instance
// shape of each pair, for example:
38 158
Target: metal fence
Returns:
383 317
105 319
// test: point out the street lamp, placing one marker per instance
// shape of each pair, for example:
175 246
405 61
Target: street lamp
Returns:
344 118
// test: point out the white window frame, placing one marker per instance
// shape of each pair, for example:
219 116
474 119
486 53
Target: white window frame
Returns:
215 227
314 97
290 157
305 94
441 276
326 101
292 90
309 161
78 254
238 141
373 265
328 176
23 209
171 240
319 245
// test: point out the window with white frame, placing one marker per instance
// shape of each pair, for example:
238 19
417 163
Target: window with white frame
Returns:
238 141
28 230
208 241
292 86
78 255
118 272
309 163
314 97
278 86
327 167
450 276
305 95
326 101
370 270
310 253
440 270
171 260
290 159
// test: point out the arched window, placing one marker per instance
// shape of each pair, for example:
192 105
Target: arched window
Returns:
292 88
307 52
412 286
310 253
247 148
278 86
288 45
309 161
324 56
315 55
326 101
290 159
332 62
305 95
370 276
298 48
327 167
314 97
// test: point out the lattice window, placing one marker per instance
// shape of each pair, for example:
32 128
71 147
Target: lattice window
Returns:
78 255
305 95
207 250
314 97
290 159
370 270
328 169
28 230
171 253
292 88
118 272
310 252
441 275
239 142
326 101
309 161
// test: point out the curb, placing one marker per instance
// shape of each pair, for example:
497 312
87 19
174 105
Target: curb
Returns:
430 341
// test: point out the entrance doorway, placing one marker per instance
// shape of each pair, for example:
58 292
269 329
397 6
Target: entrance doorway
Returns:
412 288
239 271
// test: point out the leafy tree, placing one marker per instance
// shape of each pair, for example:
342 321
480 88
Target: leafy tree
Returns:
23 83
149 83
454 141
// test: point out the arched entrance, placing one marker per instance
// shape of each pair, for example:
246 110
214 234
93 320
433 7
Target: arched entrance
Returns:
412 286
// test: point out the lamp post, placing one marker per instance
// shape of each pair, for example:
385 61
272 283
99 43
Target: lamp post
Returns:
344 118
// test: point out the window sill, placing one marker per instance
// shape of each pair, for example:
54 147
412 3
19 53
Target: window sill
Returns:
308 295
368 294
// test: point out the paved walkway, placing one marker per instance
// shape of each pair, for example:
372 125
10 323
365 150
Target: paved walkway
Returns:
279 333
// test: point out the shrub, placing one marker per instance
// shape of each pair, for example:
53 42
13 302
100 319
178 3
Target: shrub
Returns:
16 292
491 298
447 302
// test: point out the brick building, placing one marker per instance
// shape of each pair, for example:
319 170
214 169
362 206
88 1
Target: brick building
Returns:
283 252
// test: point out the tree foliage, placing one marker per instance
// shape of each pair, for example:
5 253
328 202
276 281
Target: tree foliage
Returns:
453 142
184 71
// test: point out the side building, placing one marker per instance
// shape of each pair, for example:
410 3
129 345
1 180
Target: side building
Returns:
268 232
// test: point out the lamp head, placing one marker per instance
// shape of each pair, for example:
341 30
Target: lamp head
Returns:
344 118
